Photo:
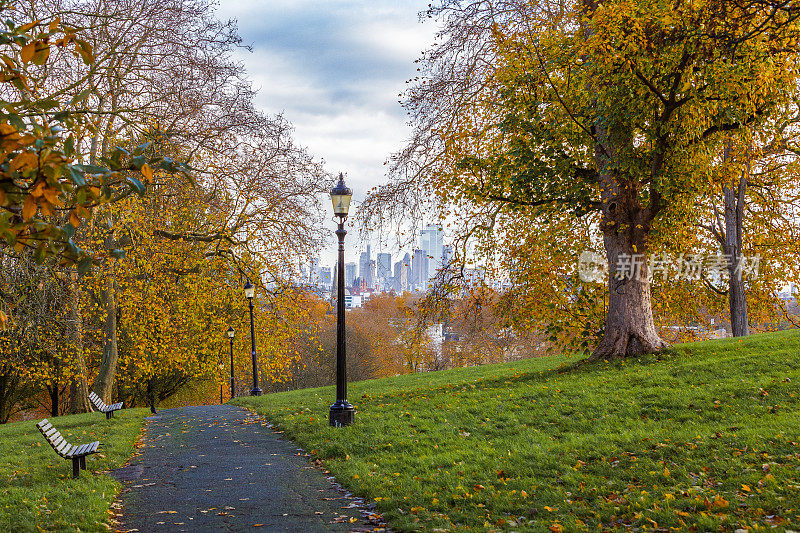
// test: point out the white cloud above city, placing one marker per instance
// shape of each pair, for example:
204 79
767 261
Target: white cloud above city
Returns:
334 69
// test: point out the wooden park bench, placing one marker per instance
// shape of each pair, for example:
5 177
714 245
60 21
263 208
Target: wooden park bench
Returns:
65 449
102 407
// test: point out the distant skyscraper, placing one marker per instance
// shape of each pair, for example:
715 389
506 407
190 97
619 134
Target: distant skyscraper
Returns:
384 266
447 254
371 276
401 282
363 262
313 271
430 240
325 279
349 274
419 269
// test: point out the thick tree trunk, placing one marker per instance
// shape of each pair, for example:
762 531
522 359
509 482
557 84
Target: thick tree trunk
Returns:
629 327
79 388
104 383
734 215
626 223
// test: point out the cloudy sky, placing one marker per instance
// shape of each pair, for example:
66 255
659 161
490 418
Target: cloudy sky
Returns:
334 68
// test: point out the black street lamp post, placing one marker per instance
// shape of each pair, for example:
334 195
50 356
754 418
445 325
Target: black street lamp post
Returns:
341 413
250 291
231 333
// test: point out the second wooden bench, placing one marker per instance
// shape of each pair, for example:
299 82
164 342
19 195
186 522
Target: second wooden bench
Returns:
102 407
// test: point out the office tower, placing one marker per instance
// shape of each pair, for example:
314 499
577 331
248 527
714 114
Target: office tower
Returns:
363 262
384 266
402 278
419 269
430 241
371 277
447 255
349 274
313 271
325 279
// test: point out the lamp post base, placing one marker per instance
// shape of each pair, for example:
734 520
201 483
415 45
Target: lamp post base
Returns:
342 414
256 392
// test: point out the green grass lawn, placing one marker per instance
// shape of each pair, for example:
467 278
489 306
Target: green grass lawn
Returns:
37 492
706 436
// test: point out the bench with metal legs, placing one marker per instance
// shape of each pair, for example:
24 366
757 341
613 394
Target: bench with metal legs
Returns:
102 407
66 450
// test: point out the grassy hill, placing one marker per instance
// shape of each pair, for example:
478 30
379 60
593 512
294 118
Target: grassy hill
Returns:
37 492
704 436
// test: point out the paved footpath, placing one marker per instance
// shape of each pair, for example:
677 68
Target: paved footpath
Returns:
221 468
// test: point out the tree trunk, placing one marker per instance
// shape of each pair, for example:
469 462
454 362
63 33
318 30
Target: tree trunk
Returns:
79 388
151 396
629 327
53 390
104 383
626 223
734 215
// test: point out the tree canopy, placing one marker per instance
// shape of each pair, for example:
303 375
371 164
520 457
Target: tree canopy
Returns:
610 112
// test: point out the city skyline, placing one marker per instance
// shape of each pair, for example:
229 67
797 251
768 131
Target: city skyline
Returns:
386 271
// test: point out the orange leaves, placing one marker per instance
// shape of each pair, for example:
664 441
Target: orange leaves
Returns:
36 51
27 52
29 207
717 503
24 161
73 219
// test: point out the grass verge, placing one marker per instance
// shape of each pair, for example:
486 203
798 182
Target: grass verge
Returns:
37 492
704 437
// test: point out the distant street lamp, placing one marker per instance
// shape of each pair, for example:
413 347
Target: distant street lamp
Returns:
250 291
221 386
342 413
231 333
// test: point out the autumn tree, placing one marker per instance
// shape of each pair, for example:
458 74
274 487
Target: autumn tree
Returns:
753 213
150 84
607 110
163 73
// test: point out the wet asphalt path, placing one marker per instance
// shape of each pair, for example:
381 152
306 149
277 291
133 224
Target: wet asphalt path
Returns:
221 468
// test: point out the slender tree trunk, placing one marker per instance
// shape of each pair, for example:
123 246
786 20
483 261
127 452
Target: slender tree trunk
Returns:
151 396
104 383
5 395
53 390
734 215
79 387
